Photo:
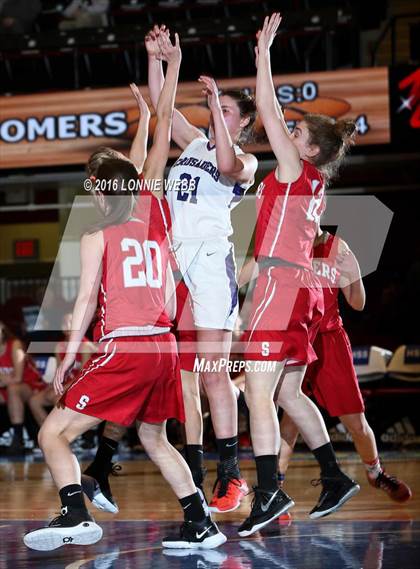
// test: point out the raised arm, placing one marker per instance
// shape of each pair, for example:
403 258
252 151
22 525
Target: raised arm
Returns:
91 251
289 166
138 150
183 132
240 168
351 282
154 166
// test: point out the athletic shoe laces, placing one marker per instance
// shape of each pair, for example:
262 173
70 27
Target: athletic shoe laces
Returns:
63 512
224 489
385 481
326 481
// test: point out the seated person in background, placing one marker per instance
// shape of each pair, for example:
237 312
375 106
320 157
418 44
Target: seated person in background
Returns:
18 16
85 14
47 397
19 380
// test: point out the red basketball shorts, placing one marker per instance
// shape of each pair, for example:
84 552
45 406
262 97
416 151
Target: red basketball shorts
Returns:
287 307
332 378
134 378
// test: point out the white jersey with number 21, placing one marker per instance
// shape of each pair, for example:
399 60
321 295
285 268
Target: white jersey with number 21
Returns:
199 196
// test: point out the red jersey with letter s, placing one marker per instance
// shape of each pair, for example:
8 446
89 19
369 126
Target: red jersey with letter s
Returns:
288 216
132 290
324 264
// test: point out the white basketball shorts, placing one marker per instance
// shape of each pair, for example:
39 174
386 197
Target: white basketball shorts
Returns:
209 271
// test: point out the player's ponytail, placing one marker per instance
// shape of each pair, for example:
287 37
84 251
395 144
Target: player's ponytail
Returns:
333 138
345 128
116 179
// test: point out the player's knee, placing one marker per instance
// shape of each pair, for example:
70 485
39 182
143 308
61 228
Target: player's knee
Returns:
151 437
13 389
33 402
358 427
114 431
257 398
190 392
43 437
215 380
288 397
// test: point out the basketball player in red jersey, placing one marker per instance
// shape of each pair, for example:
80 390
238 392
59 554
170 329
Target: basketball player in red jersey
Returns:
287 302
137 374
47 397
155 213
332 378
221 173
19 380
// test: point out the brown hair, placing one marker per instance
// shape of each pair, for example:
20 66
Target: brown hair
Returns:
98 157
247 108
114 178
333 138
7 333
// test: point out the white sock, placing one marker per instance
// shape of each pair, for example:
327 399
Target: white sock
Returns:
373 468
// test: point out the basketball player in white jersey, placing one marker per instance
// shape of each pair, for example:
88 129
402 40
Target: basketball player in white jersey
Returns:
218 174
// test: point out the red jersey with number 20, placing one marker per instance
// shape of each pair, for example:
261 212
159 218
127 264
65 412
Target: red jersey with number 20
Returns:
132 291
288 216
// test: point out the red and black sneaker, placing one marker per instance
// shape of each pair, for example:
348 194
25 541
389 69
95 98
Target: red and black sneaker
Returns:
396 489
228 492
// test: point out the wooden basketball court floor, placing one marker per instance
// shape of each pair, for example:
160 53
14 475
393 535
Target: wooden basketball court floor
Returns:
370 532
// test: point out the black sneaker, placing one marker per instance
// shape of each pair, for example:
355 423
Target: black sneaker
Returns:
266 507
71 527
96 487
196 535
335 492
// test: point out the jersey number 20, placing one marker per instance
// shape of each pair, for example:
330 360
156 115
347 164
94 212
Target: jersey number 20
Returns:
134 275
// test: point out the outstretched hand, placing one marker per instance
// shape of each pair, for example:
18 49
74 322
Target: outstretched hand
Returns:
143 107
171 53
265 37
211 90
151 40
61 373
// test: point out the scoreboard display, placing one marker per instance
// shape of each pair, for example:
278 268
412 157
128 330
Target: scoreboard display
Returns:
362 95
65 128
